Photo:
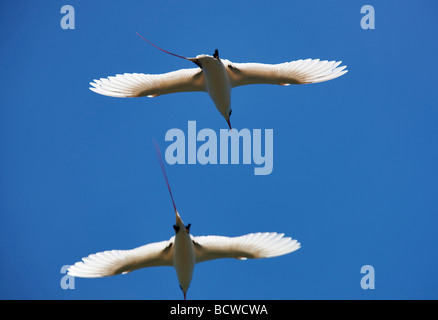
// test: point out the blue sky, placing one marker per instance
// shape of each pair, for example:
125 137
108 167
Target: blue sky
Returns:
354 178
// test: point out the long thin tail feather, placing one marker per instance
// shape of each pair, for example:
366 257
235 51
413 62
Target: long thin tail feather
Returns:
160 160
173 54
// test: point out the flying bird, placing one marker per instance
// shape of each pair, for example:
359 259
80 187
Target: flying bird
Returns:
183 251
217 77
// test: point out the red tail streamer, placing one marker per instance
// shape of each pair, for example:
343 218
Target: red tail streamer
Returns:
173 54
160 160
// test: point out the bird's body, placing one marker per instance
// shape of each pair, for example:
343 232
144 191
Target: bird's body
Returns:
217 77
183 251
217 83
184 258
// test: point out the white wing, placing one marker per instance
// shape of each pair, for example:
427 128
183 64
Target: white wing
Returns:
151 85
112 262
253 245
295 72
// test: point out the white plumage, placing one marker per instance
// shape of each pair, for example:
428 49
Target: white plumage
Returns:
217 77
150 85
183 251
250 246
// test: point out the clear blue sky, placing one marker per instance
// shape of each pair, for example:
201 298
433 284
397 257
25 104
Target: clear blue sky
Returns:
355 159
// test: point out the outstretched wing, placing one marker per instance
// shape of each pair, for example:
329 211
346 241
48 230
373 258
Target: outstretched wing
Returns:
151 85
295 72
250 246
112 262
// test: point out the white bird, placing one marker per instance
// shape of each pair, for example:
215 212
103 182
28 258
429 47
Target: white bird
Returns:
217 77
183 251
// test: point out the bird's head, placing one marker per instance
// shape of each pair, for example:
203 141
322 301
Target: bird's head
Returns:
184 289
227 115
